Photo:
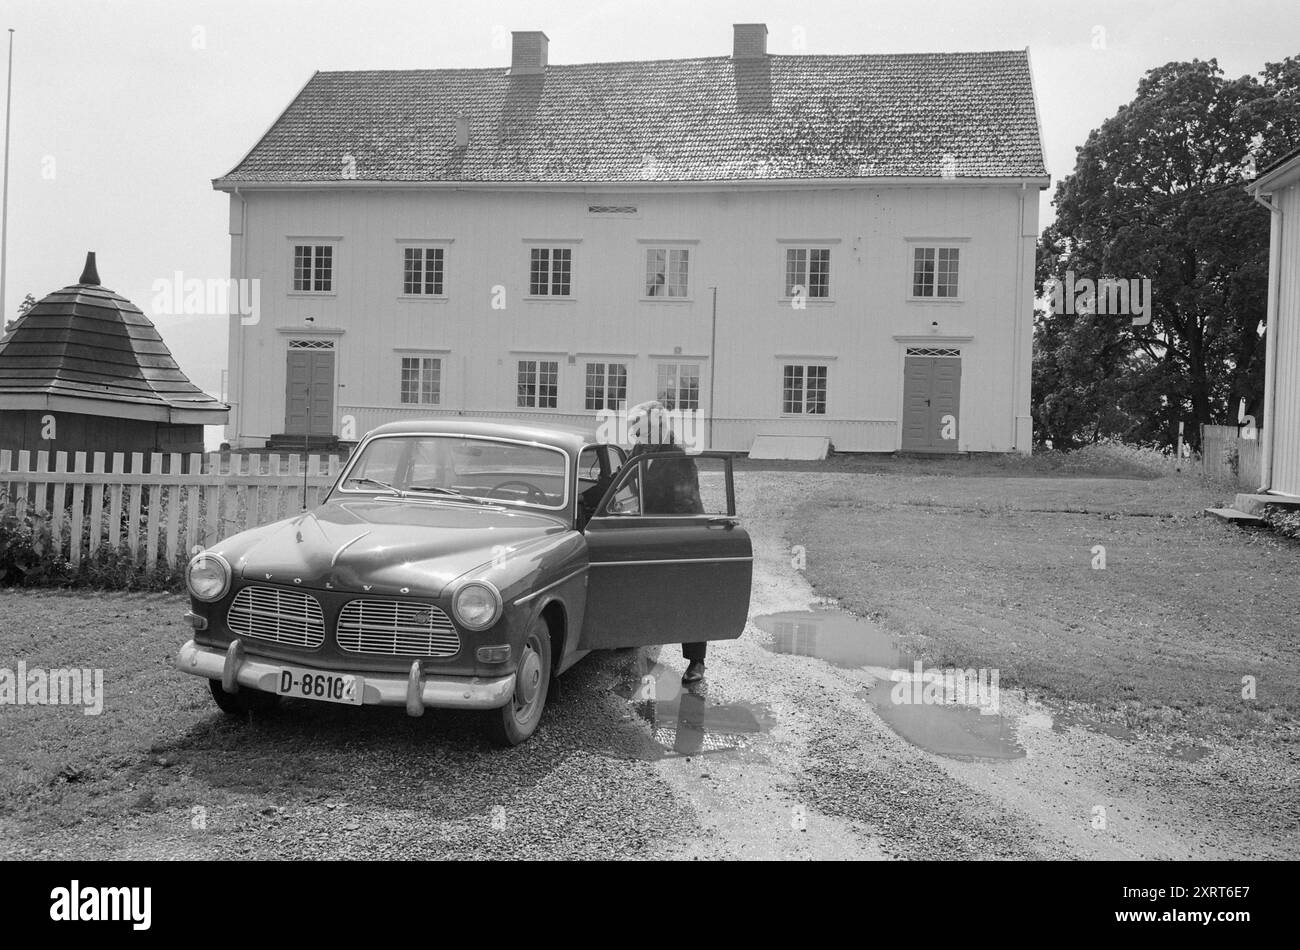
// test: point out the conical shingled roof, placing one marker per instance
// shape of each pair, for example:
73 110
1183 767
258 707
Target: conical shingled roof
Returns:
87 349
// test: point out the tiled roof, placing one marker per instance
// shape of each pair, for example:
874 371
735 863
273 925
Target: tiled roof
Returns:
779 117
87 342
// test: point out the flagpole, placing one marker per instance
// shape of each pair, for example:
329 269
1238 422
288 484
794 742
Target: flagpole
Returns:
4 202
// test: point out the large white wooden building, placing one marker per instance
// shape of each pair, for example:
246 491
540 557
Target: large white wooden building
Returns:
837 246
1278 187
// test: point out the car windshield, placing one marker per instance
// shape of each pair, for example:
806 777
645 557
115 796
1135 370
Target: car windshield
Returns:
465 467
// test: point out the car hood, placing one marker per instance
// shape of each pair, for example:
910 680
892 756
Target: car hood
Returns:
391 546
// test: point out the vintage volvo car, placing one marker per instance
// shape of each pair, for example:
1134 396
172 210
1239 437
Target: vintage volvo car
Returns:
461 563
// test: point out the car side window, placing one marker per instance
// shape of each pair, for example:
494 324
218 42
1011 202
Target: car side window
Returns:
627 495
672 483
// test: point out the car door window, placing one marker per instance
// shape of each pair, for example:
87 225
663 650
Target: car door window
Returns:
667 484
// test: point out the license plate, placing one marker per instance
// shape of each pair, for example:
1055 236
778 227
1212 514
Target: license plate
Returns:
326 687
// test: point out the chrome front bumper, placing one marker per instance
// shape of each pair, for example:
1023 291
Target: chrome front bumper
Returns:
416 691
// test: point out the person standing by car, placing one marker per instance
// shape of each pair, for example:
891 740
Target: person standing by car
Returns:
671 487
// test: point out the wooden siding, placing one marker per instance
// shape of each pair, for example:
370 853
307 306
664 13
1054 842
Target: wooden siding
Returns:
1285 424
23 430
736 244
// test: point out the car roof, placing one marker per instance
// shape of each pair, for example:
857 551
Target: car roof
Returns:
572 438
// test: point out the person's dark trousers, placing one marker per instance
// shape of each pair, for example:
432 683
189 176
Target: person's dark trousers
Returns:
694 651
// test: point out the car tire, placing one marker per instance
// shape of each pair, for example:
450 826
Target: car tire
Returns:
514 722
243 702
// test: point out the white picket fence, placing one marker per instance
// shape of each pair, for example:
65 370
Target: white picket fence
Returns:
162 510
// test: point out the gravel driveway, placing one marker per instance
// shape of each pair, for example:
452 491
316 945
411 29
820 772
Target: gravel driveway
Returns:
781 756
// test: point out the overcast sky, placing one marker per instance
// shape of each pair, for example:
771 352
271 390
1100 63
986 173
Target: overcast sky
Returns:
125 110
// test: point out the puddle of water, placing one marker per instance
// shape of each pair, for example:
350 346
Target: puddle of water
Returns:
955 731
832 635
683 720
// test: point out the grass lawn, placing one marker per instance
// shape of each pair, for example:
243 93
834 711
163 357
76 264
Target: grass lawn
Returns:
976 567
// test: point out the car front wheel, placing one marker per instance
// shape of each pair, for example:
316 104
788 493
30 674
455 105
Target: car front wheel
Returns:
243 702
517 720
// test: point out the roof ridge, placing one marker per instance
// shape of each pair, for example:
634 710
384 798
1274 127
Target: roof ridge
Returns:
502 70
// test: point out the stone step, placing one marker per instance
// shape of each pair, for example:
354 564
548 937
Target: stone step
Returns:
1252 503
283 442
1233 516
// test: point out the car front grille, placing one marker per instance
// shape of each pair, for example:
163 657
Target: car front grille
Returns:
396 628
289 617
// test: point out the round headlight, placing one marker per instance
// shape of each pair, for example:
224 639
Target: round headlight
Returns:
477 605
208 576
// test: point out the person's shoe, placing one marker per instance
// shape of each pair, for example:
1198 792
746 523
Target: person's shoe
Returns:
694 672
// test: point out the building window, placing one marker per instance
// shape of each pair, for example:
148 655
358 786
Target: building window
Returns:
538 386
421 380
808 272
667 272
606 385
678 385
550 271
313 268
803 389
422 270
934 271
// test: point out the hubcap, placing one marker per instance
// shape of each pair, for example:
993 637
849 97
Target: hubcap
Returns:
529 678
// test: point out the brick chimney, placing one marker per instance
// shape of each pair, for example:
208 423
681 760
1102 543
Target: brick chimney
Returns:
750 41
528 52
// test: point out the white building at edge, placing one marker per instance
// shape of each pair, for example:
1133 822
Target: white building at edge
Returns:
1278 188
547 241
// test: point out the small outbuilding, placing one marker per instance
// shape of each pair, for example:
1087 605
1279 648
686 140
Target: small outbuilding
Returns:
86 371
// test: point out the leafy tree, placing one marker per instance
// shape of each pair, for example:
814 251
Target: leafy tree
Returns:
1158 192
28 302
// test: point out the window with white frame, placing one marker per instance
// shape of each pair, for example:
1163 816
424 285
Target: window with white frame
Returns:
606 386
422 271
421 380
934 271
808 272
667 271
803 389
313 268
677 385
538 385
550 271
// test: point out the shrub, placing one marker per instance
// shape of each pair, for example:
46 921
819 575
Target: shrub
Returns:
1111 454
30 557
1285 521
29 554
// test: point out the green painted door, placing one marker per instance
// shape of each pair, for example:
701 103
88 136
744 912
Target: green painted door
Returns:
931 400
309 392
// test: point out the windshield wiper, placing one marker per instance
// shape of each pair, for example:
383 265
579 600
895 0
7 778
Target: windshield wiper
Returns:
374 481
440 490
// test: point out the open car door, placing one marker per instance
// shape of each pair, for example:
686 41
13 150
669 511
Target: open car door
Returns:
670 562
